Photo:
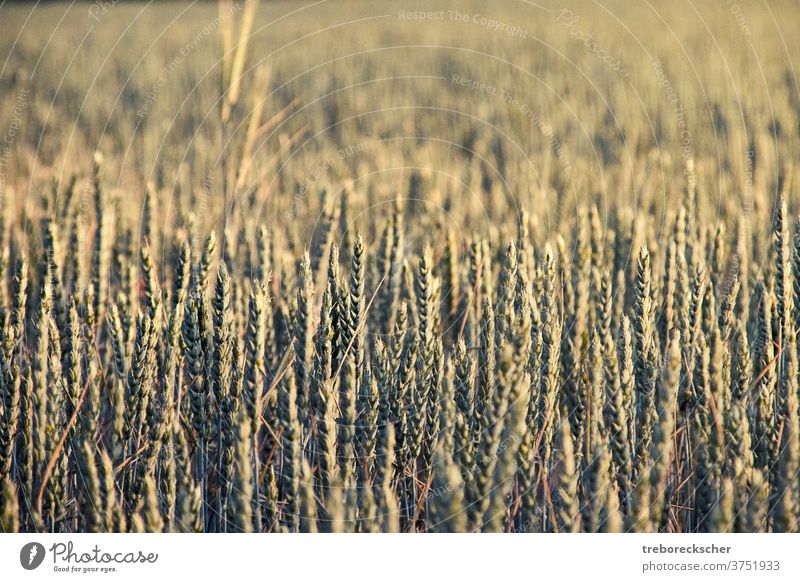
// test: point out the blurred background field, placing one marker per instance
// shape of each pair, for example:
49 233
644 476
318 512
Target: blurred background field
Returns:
347 74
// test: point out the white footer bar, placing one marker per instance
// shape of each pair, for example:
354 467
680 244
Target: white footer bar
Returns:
409 557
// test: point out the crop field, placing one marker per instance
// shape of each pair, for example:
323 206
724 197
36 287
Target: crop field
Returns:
399 266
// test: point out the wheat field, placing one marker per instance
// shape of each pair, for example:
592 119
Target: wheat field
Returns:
399 267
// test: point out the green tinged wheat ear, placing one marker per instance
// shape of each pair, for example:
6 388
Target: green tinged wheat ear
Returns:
487 269
415 413
668 316
795 264
222 372
137 523
716 253
524 246
639 519
526 464
426 390
450 276
567 510
595 433
327 232
264 254
90 379
72 361
598 252
728 321
398 335
596 479
344 222
182 280
89 482
546 413
55 423
737 421
100 259
519 348
221 364
447 513
168 477
367 521
240 510
343 328
611 517
4 255
110 511
308 506
303 339
326 445
147 212
137 387
355 316
723 515
19 301
593 380
334 288
335 520
470 307
39 365
510 439
464 374
383 271
25 448
386 502
269 506
188 516
394 283
404 418
786 498
783 276
171 382
645 354
719 381
662 444
156 427
118 342
10 391
345 446
152 299
323 353
206 259
194 364
125 276
291 451
150 510
366 426
492 427
9 507
764 369
506 293
486 379
254 383
576 332
446 421
755 510
627 375
615 412
408 293
384 378
699 424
